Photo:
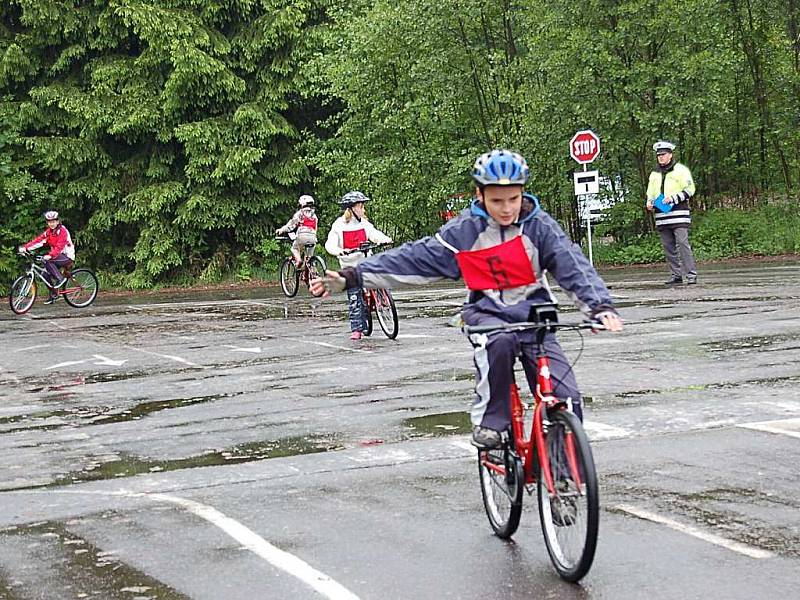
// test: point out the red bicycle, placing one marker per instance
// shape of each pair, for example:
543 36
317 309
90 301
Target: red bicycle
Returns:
291 275
554 457
379 301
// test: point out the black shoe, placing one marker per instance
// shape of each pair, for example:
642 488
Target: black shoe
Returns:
486 439
50 300
674 281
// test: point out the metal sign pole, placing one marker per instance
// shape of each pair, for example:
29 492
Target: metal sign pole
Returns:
589 228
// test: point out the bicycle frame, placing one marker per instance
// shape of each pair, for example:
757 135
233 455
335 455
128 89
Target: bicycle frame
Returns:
532 448
39 271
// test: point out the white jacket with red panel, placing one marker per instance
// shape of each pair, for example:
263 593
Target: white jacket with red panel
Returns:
349 235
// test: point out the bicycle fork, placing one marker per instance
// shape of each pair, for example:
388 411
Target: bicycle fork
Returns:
544 400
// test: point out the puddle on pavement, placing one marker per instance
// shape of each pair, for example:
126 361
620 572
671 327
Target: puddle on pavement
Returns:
80 566
756 342
128 466
102 415
442 424
147 408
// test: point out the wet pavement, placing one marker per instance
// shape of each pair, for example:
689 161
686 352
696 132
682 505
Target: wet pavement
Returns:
118 421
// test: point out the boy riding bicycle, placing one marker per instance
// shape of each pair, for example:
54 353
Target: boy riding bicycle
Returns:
503 246
61 251
303 224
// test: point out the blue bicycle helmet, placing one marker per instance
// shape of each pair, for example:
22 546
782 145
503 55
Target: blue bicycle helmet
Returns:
352 198
500 167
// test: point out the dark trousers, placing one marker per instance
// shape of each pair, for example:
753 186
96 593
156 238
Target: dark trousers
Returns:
54 266
494 360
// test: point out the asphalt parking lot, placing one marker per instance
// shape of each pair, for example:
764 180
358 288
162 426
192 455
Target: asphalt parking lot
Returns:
235 444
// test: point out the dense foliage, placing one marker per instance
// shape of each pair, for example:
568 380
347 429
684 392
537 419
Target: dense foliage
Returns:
175 135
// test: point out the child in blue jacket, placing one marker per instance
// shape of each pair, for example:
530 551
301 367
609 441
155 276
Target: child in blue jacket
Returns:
504 246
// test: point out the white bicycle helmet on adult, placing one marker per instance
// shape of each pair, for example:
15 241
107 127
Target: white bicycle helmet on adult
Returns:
305 200
352 198
500 167
663 147
51 215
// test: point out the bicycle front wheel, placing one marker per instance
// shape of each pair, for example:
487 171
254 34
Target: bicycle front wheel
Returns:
23 294
80 290
290 278
316 269
571 516
502 480
387 313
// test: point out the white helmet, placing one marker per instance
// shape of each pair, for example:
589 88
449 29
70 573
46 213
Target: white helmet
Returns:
663 146
305 200
51 215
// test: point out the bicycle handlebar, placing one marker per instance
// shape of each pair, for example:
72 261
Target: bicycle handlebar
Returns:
365 247
525 325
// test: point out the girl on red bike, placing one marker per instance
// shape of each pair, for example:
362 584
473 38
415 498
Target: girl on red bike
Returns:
347 233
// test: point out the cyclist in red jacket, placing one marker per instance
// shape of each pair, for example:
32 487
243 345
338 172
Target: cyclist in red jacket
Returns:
60 254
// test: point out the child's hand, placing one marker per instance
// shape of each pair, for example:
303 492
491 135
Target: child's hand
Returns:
610 320
330 282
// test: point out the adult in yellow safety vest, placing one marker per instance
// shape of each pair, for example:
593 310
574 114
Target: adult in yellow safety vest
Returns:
668 192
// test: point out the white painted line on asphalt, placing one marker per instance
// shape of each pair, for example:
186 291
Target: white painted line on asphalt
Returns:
694 532
254 350
68 363
601 431
169 356
33 347
412 336
327 345
790 427
188 338
278 558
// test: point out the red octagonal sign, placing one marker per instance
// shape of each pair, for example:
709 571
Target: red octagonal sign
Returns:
584 146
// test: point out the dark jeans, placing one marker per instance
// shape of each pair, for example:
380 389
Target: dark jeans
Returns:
53 267
356 309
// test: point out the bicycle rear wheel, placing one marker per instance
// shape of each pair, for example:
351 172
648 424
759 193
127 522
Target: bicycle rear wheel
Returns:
81 287
290 278
23 294
387 313
316 269
502 482
571 517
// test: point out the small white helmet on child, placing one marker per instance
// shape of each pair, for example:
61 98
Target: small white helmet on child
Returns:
51 215
305 200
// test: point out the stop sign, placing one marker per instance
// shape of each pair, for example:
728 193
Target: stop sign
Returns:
584 146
